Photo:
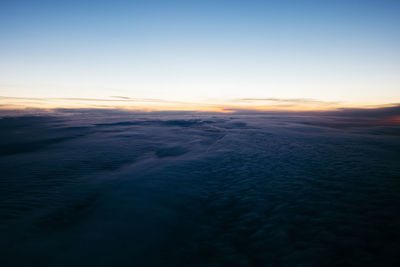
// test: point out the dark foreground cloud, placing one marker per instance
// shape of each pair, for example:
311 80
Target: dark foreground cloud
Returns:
117 188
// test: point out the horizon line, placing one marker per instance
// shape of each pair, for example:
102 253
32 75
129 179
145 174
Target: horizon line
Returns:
152 104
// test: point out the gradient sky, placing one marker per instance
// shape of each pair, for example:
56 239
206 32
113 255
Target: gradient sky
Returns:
343 52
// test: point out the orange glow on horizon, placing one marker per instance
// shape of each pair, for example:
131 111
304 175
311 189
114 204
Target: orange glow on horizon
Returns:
151 105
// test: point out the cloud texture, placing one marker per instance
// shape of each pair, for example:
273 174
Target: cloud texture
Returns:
109 187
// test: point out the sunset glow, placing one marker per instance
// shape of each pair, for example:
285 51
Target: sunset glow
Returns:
178 133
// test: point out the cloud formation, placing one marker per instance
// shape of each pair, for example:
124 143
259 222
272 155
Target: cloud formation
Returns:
251 188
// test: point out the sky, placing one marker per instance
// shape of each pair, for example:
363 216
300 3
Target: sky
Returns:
200 54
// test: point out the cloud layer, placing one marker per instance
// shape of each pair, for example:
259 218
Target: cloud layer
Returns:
113 187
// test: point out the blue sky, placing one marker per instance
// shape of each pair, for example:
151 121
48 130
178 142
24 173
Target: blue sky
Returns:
202 51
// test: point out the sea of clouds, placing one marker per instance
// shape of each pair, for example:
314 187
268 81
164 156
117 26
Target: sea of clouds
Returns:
119 188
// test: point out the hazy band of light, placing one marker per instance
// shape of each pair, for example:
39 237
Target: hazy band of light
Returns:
120 102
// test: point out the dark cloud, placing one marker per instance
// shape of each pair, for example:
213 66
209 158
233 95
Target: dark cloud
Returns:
109 187
372 117
377 112
171 151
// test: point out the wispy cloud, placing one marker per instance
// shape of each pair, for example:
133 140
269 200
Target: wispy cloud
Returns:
152 104
287 100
